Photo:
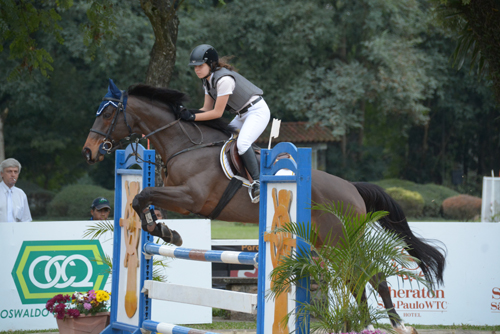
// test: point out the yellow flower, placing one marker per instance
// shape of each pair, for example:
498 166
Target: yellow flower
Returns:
99 296
105 295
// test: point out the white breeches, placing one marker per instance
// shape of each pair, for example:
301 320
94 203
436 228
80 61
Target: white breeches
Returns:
251 125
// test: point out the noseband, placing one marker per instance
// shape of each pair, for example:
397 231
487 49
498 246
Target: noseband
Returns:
108 144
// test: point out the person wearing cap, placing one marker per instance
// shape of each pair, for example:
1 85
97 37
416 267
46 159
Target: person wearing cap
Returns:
225 89
100 209
13 201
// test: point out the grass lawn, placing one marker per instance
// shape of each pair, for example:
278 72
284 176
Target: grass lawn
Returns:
226 230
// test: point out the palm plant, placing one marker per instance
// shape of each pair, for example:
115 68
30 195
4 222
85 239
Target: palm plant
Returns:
364 253
102 228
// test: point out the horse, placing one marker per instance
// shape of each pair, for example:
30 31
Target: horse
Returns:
194 181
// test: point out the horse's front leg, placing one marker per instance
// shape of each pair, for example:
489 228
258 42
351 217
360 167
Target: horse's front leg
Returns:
164 197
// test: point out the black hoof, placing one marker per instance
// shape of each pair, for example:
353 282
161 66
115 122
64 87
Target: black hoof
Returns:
176 238
170 236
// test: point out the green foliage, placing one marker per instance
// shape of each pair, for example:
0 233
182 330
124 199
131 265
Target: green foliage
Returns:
432 194
364 252
411 202
74 201
38 198
49 119
25 23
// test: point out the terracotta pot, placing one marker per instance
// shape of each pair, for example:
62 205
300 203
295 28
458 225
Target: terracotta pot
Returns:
84 324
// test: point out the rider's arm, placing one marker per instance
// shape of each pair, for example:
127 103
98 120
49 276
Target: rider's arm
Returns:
216 112
208 104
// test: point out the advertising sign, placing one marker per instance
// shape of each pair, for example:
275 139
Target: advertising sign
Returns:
471 290
42 259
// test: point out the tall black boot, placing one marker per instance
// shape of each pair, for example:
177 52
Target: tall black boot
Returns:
252 165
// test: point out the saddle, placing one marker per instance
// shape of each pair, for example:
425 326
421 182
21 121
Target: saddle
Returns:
234 159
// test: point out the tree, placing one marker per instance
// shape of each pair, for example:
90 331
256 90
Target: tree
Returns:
327 62
49 118
24 22
478 26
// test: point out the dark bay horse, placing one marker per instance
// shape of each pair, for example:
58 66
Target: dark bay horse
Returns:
195 181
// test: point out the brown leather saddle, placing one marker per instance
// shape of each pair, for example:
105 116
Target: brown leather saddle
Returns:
231 152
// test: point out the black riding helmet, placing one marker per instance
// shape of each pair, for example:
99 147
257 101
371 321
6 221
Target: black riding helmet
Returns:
204 54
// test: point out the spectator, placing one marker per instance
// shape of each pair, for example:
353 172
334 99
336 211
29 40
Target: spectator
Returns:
159 214
13 201
100 209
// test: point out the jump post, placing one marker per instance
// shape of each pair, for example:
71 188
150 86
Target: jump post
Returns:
285 197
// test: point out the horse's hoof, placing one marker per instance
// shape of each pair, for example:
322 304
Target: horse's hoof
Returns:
176 238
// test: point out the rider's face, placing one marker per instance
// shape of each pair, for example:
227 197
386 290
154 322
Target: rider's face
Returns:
202 70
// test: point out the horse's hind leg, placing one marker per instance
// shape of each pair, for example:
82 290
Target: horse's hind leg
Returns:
381 286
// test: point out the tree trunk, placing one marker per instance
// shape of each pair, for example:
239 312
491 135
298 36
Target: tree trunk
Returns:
165 22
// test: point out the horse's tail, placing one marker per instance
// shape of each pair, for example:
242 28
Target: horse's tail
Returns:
432 261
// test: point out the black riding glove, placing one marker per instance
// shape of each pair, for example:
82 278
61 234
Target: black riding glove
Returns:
187 115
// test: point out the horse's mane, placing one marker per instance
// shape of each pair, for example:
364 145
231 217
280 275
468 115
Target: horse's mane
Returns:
174 99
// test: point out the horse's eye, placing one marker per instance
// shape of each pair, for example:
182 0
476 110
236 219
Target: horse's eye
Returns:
107 115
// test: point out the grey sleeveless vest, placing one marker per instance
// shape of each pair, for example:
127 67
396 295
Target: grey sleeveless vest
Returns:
243 89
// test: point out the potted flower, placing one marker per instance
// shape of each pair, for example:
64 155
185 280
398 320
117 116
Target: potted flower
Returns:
80 313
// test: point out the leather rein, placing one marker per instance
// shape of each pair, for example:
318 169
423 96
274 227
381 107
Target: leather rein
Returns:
109 145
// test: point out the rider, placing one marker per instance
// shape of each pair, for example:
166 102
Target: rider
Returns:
225 89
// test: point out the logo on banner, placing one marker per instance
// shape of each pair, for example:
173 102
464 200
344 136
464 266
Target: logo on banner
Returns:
495 304
44 269
414 299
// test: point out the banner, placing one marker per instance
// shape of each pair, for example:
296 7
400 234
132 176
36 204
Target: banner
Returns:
42 259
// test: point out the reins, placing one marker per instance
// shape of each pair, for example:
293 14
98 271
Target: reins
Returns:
108 145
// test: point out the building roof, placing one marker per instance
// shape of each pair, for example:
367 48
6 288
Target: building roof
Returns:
299 132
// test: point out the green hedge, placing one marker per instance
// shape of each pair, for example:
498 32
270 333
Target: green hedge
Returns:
73 202
411 201
38 198
433 194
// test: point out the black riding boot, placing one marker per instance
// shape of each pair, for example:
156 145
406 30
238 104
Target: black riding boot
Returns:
252 165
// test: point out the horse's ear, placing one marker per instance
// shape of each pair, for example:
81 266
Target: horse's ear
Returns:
113 89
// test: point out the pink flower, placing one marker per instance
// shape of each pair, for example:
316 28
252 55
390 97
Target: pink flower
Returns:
87 306
91 294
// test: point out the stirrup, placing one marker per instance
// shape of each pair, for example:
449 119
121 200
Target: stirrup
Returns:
257 198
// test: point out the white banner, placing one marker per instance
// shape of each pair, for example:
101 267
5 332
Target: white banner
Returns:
40 259
471 291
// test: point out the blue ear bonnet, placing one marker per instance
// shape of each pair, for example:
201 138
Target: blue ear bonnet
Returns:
113 92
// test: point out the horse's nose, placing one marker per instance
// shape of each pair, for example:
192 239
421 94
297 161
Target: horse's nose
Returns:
87 154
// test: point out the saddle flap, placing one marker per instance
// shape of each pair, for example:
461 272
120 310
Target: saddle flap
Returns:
236 162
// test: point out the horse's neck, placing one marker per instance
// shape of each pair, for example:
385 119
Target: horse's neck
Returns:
178 136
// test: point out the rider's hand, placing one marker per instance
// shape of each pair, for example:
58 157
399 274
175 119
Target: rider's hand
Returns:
187 115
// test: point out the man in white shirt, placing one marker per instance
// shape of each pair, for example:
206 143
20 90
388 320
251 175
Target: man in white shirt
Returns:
13 201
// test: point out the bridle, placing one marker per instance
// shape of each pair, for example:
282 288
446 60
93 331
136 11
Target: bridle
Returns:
109 145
